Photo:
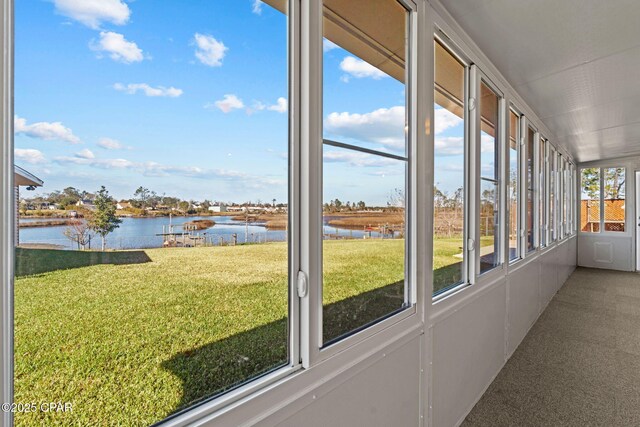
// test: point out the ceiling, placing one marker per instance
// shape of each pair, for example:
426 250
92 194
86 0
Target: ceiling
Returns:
575 62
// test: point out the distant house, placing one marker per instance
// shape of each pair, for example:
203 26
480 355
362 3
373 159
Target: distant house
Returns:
86 203
236 208
218 208
22 178
124 205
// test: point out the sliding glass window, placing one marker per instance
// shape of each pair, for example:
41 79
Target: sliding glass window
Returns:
530 162
553 203
489 227
365 164
542 191
449 254
160 275
561 198
513 207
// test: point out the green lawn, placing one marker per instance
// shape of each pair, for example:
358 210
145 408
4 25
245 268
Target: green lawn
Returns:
132 337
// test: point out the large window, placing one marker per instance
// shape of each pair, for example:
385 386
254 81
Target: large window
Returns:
162 137
530 189
489 227
365 165
562 196
449 245
542 193
553 192
603 205
514 183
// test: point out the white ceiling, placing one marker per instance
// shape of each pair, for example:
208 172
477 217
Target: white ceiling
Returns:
575 62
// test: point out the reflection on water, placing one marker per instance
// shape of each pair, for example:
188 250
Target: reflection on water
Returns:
142 233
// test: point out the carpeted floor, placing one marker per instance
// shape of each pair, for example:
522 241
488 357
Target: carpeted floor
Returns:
580 363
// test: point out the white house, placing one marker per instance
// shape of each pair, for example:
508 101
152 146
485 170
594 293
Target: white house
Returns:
86 203
218 208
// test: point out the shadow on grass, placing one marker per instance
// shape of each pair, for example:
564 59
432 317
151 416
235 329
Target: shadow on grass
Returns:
38 261
219 366
222 365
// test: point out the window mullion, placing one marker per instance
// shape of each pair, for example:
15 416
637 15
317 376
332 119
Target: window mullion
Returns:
311 179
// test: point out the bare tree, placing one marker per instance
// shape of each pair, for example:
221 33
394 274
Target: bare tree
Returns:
80 233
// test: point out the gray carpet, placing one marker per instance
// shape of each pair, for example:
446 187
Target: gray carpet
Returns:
580 363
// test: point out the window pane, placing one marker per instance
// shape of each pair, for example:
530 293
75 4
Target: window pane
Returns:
565 195
561 198
530 189
449 165
552 194
514 182
364 166
542 199
590 200
614 199
489 202
164 159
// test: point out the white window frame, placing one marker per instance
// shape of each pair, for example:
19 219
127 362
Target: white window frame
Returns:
525 125
477 78
519 184
544 191
468 268
602 231
314 349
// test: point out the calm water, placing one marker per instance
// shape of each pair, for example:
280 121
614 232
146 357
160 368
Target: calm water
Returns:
140 233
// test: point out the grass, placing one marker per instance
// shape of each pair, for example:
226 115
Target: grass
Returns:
132 337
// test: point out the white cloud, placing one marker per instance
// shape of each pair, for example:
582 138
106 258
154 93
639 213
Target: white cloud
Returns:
384 126
229 103
209 51
85 154
153 169
356 158
45 130
445 119
328 45
359 68
257 7
29 155
117 47
133 88
280 106
93 13
487 143
110 144
449 146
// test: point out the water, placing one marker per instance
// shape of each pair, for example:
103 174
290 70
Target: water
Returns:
141 233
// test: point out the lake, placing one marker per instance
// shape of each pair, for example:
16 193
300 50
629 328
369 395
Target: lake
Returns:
141 233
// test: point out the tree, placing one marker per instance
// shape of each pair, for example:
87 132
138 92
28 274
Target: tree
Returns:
396 199
591 183
104 219
141 197
614 180
79 232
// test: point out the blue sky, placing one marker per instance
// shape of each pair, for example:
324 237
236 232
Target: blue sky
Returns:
188 98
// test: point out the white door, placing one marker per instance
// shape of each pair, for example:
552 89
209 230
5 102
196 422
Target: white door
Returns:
637 219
